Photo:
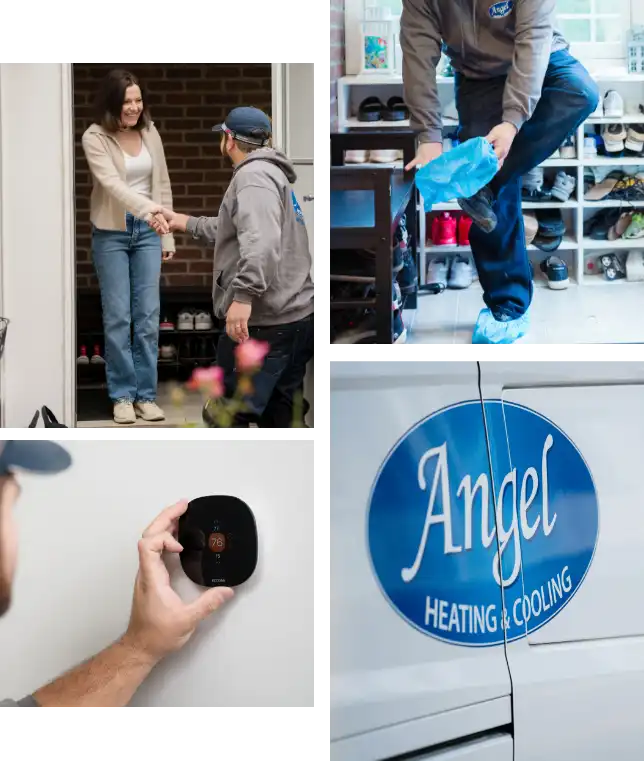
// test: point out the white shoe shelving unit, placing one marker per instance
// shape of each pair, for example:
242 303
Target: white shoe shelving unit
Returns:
575 247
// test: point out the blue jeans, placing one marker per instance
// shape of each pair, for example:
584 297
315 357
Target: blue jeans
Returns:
128 265
568 97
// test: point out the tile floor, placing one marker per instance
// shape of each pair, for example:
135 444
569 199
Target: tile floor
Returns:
606 313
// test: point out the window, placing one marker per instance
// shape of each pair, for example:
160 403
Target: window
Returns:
596 29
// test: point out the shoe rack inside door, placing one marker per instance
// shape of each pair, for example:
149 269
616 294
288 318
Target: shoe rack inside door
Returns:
296 124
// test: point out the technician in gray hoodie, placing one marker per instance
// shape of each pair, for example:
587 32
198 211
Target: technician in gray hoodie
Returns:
262 284
518 86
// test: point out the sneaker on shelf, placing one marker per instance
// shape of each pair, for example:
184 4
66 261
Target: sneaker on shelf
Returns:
355 157
464 227
437 271
547 243
536 196
489 330
168 351
124 412
148 410
563 186
82 358
387 156
186 320
590 147
96 356
408 275
166 324
635 138
444 229
635 266
556 271
613 105
614 136
399 330
461 273
396 296
568 150
556 154
203 321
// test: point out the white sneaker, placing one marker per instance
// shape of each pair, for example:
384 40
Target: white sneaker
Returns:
355 157
168 352
203 321
185 320
148 411
556 154
388 156
590 148
613 105
568 149
124 412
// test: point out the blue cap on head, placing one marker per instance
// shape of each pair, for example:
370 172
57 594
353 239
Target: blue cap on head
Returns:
247 124
38 456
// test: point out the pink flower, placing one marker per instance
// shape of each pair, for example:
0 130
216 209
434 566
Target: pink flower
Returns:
209 380
250 355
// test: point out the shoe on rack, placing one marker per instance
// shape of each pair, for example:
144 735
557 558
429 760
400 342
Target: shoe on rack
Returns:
148 410
551 224
621 226
355 157
556 154
464 226
166 324
437 272
614 136
186 320
96 356
548 244
444 229
489 330
82 358
636 228
203 321
536 196
385 156
479 208
556 271
124 412
531 227
408 275
168 351
613 105
397 258
599 225
461 273
590 147
635 138
399 330
396 296
401 235
598 113
568 150
563 186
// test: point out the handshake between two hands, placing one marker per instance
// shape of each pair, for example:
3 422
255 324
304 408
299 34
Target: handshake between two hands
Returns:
164 221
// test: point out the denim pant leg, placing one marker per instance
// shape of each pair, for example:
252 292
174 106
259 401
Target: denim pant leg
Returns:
145 273
501 257
110 251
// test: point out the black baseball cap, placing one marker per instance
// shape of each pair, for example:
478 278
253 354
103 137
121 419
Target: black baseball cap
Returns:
247 124
37 456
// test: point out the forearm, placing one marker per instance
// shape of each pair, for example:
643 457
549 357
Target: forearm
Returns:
109 679
532 47
420 41
203 229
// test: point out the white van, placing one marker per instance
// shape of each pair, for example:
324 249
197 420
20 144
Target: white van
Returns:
487 561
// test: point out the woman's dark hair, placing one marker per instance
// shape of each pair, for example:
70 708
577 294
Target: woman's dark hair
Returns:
110 97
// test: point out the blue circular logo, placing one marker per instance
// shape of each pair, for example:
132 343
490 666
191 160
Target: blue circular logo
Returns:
473 559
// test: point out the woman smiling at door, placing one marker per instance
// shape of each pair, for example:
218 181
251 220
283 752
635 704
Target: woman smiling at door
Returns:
130 179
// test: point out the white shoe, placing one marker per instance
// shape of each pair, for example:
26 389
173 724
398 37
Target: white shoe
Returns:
203 321
355 157
149 411
185 320
613 105
590 148
556 154
384 156
168 351
124 412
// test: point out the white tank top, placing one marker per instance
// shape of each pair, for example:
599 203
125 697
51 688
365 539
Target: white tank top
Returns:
138 171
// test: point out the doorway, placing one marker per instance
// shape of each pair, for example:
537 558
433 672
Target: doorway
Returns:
185 101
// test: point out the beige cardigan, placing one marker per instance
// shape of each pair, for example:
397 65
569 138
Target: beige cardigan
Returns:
111 195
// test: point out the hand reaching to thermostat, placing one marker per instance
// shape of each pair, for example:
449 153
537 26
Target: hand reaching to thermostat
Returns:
161 622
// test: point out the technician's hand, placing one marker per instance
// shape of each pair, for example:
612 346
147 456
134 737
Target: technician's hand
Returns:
502 138
426 152
157 222
166 255
176 222
237 321
161 622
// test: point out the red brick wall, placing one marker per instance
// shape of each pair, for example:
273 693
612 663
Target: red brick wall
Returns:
337 55
185 101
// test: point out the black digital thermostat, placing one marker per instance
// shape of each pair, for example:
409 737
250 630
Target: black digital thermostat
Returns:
219 539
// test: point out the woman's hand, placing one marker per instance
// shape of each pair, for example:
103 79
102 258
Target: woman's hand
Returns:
157 222
166 256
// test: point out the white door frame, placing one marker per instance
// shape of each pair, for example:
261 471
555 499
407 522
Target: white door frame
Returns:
37 276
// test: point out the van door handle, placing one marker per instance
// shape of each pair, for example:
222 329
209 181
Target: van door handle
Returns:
306 199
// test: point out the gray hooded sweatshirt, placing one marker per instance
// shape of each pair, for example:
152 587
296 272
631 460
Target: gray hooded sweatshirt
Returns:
484 39
262 252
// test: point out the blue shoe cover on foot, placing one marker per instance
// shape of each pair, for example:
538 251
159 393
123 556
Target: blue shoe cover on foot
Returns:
491 331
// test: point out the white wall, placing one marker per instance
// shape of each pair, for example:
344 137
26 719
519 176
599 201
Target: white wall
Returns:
36 198
78 559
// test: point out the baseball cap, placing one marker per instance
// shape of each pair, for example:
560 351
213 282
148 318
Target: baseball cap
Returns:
37 456
247 124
